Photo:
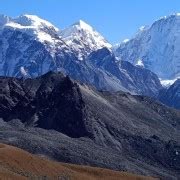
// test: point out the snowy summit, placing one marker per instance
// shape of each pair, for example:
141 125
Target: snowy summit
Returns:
83 38
158 47
30 24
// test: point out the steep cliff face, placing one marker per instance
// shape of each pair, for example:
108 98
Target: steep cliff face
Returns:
155 47
134 79
28 47
31 46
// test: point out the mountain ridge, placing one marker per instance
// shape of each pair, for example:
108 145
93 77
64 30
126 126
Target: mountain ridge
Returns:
138 133
37 47
83 38
156 46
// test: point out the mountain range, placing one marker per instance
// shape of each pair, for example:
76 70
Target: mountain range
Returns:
154 47
70 96
30 47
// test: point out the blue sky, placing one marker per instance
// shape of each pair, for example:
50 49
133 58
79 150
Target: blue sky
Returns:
115 19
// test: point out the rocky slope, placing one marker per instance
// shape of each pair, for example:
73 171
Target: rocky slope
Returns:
134 79
155 47
56 117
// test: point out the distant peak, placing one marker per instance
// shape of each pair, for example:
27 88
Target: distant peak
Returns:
126 40
82 24
25 21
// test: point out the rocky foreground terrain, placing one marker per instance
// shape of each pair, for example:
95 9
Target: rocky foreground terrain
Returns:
55 117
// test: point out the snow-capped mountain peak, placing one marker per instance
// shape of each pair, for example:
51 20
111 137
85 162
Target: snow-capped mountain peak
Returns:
30 24
33 21
28 42
83 38
83 25
158 47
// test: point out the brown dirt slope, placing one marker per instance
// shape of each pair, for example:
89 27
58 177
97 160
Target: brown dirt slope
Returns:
19 164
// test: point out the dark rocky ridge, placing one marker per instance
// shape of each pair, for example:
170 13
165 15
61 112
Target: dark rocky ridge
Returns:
50 102
83 126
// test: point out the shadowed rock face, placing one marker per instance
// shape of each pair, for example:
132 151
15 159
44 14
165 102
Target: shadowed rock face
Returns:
50 102
83 126
171 96
134 79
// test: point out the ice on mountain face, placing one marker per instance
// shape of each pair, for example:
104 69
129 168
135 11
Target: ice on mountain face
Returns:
83 39
126 40
23 71
142 28
167 83
44 37
158 46
140 63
